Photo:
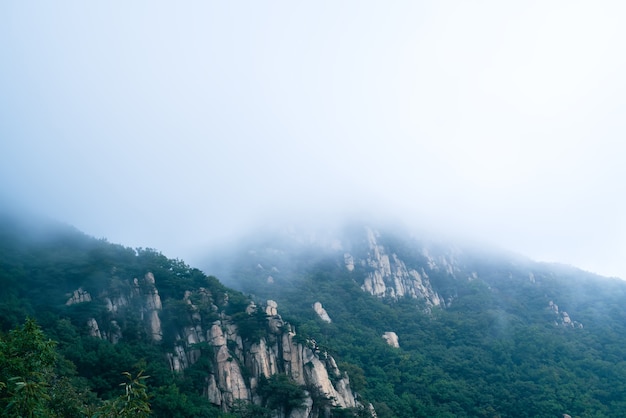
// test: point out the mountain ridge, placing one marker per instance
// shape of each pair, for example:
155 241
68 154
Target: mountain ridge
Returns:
491 304
197 337
509 337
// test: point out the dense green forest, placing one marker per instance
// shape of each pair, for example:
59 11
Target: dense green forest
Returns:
70 372
496 349
77 336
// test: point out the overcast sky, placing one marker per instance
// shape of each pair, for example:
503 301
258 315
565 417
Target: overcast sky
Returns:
175 124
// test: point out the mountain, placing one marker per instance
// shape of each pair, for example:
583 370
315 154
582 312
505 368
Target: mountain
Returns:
335 320
111 311
426 328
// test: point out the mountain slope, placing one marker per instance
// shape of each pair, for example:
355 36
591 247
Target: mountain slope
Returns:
480 333
208 349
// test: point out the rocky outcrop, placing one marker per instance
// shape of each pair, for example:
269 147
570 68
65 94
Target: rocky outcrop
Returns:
94 329
152 306
349 261
277 352
126 296
237 362
78 296
389 276
391 338
562 318
271 308
321 312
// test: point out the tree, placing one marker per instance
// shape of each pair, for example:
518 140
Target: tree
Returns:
133 403
27 361
244 409
280 392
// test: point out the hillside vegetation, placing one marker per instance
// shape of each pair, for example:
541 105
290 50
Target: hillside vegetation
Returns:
509 338
89 328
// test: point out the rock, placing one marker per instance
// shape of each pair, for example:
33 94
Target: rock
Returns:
152 306
316 375
305 411
272 308
562 317
213 393
391 338
389 276
115 332
349 261
79 296
215 336
155 326
149 278
178 359
94 329
262 360
251 308
236 364
114 304
229 377
275 325
321 312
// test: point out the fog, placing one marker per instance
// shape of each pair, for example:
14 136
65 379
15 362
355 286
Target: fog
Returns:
178 125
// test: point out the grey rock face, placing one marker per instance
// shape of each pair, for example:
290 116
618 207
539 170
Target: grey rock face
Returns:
321 312
390 277
79 296
562 318
391 338
237 363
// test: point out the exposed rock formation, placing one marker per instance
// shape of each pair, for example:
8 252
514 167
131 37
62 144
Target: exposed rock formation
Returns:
391 338
389 276
272 308
349 261
237 363
140 294
79 296
321 312
562 317
152 306
94 329
277 352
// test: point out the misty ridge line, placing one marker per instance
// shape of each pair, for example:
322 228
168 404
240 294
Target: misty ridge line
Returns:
321 230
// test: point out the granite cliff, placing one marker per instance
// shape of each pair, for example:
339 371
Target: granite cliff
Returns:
238 362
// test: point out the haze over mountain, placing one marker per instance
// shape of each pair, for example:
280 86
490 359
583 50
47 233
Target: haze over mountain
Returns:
339 322
175 127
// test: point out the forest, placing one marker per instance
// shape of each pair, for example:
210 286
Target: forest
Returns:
496 350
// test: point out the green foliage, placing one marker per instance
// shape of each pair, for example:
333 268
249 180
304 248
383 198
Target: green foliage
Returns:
40 265
27 359
170 402
29 381
243 409
251 326
494 351
279 392
134 402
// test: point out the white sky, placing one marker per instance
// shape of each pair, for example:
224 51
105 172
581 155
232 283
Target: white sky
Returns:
175 124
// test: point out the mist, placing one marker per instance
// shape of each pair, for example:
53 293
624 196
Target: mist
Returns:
178 127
